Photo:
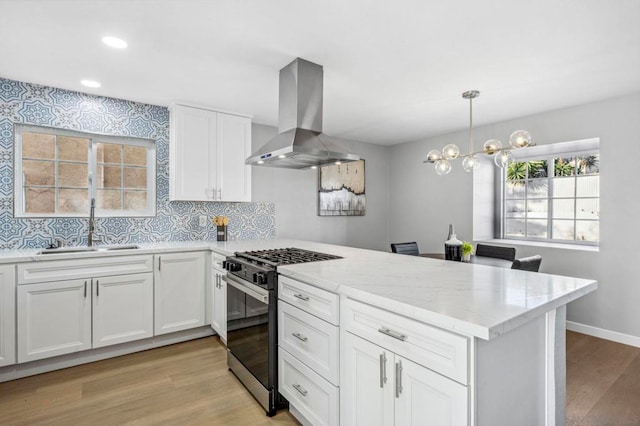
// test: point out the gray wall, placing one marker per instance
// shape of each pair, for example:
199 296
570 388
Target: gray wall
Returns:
422 203
295 194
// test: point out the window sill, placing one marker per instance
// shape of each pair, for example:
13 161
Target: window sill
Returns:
561 246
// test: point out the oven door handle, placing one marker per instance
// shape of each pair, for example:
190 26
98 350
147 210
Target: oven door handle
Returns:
257 292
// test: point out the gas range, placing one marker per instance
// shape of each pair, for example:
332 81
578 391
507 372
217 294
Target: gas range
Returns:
252 318
259 266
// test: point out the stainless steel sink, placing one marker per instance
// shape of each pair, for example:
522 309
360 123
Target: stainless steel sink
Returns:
64 250
117 247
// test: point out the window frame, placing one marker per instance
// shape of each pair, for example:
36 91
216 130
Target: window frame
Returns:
94 140
548 153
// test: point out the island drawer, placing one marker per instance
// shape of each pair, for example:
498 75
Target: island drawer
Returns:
318 302
311 340
61 270
315 398
432 347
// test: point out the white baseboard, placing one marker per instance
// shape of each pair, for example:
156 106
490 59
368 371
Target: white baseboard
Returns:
602 333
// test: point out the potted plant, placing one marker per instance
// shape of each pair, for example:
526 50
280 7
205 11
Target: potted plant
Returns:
467 249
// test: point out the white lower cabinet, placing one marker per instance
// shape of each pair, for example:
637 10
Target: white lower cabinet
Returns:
54 318
179 299
122 309
7 315
61 317
380 387
309 351
68 306
313 396
219 295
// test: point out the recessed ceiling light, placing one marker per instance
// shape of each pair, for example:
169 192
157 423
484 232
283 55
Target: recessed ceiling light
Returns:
282 156
90 83
114 42
260 162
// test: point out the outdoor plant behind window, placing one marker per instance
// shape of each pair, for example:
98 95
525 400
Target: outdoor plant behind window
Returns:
554 198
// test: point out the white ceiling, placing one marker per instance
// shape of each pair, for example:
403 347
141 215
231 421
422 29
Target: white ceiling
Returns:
394 70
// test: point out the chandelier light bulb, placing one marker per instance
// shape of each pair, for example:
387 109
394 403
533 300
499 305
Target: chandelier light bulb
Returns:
443 167
503 158
470 163
434 155
450 151
520 139
492 146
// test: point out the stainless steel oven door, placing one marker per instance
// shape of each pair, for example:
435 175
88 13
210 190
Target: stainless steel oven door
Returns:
248 326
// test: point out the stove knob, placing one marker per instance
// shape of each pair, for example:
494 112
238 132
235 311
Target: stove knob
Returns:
232 266
260 278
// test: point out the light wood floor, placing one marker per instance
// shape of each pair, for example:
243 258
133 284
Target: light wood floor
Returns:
603 382
182 384
189 384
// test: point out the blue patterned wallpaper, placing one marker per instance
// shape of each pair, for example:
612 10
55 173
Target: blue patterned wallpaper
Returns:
175 221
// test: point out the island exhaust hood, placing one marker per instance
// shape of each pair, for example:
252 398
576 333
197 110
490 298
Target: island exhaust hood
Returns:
300 143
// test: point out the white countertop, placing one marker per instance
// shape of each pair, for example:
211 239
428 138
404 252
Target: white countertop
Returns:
475 300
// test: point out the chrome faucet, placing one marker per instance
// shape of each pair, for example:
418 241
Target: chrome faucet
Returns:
92 222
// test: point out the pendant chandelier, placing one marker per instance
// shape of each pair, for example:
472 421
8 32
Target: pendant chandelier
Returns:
442 159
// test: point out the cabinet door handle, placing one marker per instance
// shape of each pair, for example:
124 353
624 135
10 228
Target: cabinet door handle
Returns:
97 287
219 284
398 378
219 194
394 334
299 337
383 369
85 289
159 262
301 297
300 389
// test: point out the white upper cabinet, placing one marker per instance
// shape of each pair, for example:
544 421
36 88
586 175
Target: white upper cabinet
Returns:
207 153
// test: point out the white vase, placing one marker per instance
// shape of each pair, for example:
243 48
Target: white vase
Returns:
466 257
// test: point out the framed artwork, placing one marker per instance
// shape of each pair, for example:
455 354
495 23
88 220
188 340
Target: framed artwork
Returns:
341 189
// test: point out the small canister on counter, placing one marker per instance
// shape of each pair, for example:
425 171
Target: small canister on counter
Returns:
221 223
222 233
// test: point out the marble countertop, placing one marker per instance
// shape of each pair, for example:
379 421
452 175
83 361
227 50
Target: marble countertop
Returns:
470 299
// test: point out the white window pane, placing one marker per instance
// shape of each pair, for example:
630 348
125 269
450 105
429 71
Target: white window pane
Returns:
588 186
563 230
73 201
514 227
537 188
564 187
588 208
537 209
537 228
563 208
587 230
514 208
514 189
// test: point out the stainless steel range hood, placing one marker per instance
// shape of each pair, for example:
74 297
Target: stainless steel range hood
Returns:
300 143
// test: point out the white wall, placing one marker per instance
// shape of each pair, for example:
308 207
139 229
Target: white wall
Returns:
422 203
295 194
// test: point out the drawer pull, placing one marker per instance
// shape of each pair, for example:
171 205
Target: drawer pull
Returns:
300 389
301 297
383 369
85 289
398 378
299 337
393 334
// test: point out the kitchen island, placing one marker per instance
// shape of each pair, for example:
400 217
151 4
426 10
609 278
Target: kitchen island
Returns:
494 337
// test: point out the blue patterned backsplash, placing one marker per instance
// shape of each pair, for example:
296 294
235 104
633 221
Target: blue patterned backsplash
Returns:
27 103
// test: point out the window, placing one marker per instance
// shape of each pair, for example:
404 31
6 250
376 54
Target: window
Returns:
59 171
552 193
